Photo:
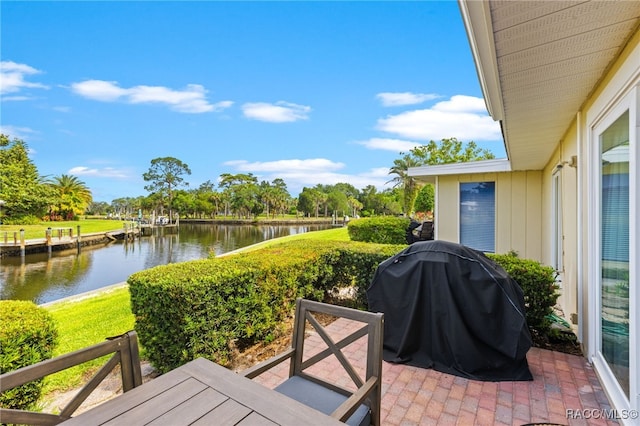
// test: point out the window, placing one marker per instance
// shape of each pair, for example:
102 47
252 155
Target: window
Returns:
613 246
614 250
556 217
477 215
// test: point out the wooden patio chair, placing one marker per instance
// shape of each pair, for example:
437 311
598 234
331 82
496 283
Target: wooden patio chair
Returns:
125 352
357 402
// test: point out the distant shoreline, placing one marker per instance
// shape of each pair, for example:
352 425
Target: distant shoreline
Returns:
261 221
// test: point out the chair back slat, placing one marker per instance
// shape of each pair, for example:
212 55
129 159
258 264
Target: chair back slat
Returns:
307 313
361 404
334 349
341 344
125 353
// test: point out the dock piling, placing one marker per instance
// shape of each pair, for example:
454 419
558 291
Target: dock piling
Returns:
22 243
48 239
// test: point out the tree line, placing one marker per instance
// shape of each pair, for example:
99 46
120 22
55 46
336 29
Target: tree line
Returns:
27 197
242 196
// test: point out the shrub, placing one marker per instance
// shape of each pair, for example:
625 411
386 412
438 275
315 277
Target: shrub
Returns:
356 264
21 220
538 282
199 308
380 229
205 307
27 336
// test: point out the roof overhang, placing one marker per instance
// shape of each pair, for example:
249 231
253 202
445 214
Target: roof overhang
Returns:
538 62
427 174
476 16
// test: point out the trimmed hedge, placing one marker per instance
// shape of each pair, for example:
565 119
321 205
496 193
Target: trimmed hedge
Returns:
538 282
205 307
208 307
28 335
380 229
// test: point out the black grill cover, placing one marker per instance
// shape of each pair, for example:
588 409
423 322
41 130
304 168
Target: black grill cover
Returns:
450 308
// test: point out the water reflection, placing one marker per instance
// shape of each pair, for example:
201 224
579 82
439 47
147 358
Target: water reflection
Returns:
44 277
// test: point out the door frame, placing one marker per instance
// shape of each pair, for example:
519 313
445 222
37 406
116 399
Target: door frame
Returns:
628 100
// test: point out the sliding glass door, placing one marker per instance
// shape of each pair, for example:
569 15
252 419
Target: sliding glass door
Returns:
614 249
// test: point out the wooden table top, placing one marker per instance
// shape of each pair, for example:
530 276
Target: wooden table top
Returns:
202 393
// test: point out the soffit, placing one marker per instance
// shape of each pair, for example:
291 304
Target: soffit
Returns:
549 56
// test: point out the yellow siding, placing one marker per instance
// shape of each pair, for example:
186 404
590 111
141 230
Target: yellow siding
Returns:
518 210
447 211
567 148
504 213
533 221
518 214
622 71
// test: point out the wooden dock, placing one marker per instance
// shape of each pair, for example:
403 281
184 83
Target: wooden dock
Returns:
158 229
13 243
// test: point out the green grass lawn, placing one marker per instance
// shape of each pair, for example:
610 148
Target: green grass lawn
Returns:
86 227
90 226
334 234
85 322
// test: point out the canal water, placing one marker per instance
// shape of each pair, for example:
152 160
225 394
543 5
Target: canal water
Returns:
44 277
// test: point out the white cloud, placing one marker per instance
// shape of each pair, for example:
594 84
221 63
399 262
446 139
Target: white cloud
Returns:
219 106
280 112
308 166
379 172
297 180
404 98
107 172
387 144
106 91
462 117
15 98
17 132
309 172
12 79
190 100
462 103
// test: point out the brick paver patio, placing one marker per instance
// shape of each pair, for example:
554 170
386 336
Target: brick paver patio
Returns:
418 396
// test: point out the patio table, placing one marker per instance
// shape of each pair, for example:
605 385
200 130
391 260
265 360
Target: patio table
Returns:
202 393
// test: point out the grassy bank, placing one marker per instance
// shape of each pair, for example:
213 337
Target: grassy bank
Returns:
90 226
86 227
88 321
335 234
83 323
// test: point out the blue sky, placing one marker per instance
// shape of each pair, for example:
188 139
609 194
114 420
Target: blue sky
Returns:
310 92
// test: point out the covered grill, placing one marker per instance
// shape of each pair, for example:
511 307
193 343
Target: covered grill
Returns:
450 308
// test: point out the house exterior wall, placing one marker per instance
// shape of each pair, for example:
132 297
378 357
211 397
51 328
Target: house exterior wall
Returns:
580 297
562 164
525 216
518 210
620 86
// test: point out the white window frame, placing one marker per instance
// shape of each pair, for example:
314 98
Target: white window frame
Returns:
628 99
557 240
495 200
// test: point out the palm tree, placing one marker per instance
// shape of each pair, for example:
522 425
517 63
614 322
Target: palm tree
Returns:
71 194
317 198
355 205
409 185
